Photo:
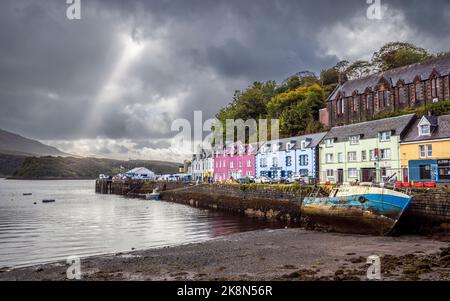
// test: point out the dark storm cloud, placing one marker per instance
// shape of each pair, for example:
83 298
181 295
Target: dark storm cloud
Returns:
56 75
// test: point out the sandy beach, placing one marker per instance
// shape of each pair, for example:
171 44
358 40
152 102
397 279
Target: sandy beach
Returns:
286 254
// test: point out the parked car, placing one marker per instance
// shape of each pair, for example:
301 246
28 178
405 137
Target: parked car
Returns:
263 180
246 180
294 179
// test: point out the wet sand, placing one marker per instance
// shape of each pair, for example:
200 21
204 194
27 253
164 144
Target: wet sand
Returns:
287 254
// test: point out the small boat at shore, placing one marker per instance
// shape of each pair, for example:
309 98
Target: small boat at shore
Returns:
48 201
357 209
155 195
27 193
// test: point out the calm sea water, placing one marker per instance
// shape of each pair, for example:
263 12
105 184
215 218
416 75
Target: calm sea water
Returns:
83 223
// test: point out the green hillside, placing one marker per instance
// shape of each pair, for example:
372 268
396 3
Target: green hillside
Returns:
83 168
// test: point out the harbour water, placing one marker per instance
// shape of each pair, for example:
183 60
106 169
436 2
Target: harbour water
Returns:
82 223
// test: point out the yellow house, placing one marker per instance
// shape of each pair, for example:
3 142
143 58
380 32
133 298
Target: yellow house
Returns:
425 150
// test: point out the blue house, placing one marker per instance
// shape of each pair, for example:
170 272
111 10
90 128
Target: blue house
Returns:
296 156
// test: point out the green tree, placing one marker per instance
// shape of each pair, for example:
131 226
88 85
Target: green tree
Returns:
359 69
398 54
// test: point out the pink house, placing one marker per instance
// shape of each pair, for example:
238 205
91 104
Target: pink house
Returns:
234 162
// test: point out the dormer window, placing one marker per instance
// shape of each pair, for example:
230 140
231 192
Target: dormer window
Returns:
385 136
424 130
354 140
424 127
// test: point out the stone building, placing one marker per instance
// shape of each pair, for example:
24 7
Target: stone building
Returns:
405 87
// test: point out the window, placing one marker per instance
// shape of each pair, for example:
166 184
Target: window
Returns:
275 162
231 164
354 140
429 150
249 173
425 151
330 173
303 172
422 151
373 156
385 136
240 163
263 162
288 161
303 160
424 130
369 101
351 156
340 157
352 173
363 156
383 99
385 154
355 104
444 169
329 158
400 95
249 163
434 88
416 92
329 142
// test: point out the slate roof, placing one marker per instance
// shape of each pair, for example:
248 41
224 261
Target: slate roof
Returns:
407 74
440 129
315 140
370 129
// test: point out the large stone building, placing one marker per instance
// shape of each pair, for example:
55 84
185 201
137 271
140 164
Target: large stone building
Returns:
406 87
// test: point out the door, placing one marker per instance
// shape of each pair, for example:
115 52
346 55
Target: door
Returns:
340 176
368 174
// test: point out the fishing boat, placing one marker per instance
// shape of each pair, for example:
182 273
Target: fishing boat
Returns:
155 195
27 193
357 209
48 201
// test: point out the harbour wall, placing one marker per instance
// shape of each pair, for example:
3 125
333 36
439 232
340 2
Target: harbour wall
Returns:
428 212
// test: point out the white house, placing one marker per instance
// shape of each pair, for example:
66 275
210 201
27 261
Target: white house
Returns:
141 173
288 157
202 166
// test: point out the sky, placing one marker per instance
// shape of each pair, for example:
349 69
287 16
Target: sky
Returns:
112 83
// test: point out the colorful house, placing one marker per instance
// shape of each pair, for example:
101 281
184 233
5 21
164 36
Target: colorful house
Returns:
288 157
202 166
235 161
425 150
364 152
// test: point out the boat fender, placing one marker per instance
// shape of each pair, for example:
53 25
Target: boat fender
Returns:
362 199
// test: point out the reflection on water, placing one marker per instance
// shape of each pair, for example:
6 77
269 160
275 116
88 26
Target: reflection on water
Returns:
83 223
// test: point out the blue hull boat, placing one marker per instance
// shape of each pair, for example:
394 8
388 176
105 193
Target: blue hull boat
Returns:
356 209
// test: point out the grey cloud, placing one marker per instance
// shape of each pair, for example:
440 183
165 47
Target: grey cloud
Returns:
198 52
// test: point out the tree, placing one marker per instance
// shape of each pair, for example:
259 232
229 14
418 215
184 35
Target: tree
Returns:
359 69
329 76
398 54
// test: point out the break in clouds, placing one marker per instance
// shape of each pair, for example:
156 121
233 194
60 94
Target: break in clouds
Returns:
110 84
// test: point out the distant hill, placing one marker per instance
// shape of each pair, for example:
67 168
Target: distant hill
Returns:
84 168
13 144
9 164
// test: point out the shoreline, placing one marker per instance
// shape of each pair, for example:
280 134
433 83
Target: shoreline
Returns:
284 254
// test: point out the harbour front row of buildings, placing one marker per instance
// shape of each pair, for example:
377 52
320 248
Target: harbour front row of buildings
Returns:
403 149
